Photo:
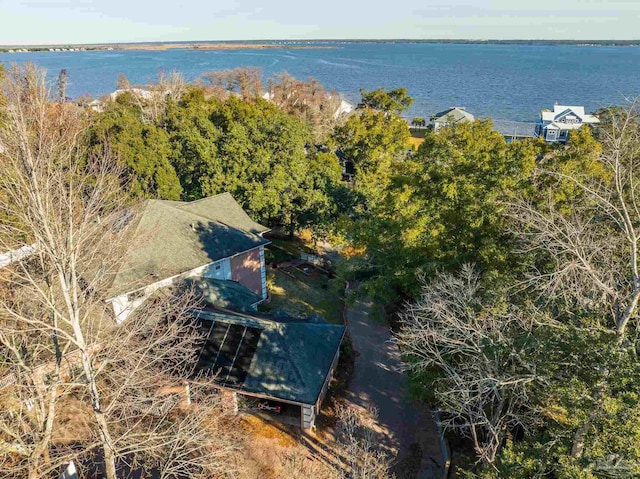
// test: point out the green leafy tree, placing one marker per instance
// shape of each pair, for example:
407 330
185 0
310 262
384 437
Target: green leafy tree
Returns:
589 384
323 190
142 148
263 158
194 144
392 101
371 142
444 206
198 146
578 343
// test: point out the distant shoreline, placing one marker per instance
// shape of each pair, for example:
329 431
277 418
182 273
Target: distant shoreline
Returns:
296 44
161 47
212 46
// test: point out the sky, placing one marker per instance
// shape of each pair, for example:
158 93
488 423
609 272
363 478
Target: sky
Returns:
32 22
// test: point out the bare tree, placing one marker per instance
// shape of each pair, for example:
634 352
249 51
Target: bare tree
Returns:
472 348
308 101
68 208
152 99
593 244
243 81
298 463
168 87
27 409
358 443
125 85
63 82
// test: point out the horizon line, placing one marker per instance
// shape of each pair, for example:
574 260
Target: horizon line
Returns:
332 40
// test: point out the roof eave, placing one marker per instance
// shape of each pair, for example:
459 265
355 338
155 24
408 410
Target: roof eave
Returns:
327 376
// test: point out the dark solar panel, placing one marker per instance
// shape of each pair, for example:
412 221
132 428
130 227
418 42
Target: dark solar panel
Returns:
211 346
228 351
238 372
204 328
217 334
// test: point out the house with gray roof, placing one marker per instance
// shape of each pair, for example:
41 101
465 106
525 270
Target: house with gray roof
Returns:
284 360
211 240
212 247
451 116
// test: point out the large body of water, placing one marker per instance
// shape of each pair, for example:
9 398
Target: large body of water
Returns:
512 82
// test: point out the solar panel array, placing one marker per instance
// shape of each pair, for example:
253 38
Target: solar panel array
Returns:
228 351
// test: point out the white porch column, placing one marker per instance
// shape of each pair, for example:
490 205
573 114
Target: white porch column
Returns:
234 397
308 417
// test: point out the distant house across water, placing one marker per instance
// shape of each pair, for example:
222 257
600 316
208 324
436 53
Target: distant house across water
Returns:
555 126
451 116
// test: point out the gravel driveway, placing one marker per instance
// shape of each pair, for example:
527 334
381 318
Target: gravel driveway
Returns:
409 430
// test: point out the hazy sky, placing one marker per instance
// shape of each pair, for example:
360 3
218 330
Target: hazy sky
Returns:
94 21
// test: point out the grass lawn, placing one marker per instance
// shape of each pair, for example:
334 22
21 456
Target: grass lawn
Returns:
300 295
417 136
304 296
416 142
285 249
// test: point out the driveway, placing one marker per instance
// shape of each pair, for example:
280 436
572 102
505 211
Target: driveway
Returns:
408 428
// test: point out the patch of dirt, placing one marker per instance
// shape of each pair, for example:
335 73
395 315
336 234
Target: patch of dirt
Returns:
268 430
73 421
272 452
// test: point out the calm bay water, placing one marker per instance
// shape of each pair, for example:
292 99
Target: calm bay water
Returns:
511 82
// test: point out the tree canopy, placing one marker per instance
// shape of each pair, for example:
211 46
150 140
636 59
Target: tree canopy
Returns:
563 402
444 206
199 146
142 148
517 262
391 101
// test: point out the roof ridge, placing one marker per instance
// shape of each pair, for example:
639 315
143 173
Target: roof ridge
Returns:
222 223
206 218
206 198
167 239
143 205
210 220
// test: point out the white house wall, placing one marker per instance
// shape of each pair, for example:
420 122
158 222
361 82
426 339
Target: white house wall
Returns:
125 304
16 255
218 270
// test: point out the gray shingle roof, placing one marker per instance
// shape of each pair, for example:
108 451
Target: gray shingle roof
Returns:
223 209
453 115
171 238
224 294
290 361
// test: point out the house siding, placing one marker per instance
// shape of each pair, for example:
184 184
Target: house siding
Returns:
218 270
246 269
125 304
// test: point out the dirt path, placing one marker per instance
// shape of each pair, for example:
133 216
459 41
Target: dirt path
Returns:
409 430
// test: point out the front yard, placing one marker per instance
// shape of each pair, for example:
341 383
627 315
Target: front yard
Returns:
298 288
